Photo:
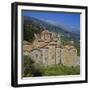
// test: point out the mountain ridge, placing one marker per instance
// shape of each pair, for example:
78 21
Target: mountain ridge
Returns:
51 27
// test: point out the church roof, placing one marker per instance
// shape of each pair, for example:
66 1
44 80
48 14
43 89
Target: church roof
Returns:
69 47
45 32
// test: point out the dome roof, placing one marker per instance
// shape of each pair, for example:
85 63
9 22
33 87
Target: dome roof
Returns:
45 31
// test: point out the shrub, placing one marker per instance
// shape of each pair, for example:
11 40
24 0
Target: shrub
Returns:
61 70
31 68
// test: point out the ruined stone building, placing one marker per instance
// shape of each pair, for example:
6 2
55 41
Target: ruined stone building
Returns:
47 50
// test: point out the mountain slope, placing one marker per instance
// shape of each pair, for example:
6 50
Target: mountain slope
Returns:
38 25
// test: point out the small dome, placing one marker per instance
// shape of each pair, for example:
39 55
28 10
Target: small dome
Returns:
45 31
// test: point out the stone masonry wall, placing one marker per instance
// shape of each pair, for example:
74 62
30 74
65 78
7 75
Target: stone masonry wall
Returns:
51 55
68 57
58 55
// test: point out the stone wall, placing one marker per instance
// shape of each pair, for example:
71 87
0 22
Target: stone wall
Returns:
36 55
44 56
58 55
68 57
51 55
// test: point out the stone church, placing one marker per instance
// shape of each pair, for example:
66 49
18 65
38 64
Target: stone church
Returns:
47 50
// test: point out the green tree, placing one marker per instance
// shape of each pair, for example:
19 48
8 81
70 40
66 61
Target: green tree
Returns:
28 62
